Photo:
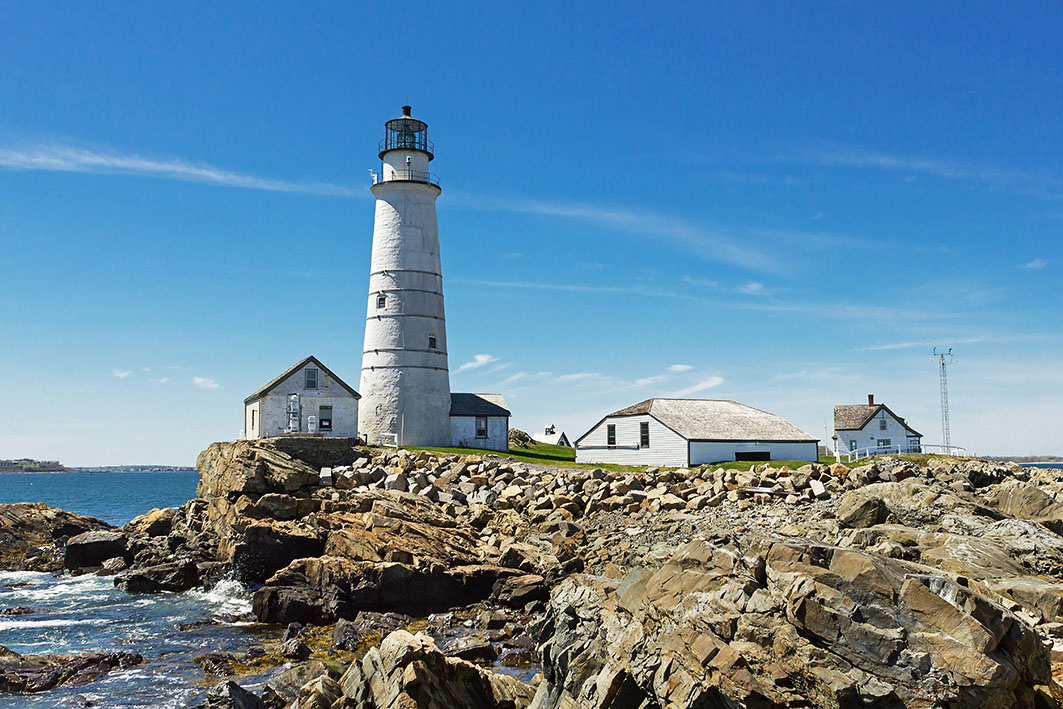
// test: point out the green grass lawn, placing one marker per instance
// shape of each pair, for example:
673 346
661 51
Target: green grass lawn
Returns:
539 454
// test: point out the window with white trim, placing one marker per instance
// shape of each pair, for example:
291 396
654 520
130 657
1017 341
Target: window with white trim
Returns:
311 379
481 427
610 434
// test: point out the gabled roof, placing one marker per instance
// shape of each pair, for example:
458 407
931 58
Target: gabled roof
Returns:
854 417
292 370
715 420
553 439
478 405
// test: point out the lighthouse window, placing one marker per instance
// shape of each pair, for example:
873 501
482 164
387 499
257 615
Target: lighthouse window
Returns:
381 301
431 342
311 379
481 427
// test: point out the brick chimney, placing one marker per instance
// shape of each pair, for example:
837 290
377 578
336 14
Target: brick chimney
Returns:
870 399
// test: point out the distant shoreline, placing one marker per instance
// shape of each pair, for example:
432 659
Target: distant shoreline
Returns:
130 469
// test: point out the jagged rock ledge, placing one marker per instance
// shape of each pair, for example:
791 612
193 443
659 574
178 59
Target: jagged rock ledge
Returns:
903 583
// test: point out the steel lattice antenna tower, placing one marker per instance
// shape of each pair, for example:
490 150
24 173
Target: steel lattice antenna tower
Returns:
945 432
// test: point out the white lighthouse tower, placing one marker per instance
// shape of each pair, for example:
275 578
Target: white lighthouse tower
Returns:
405 384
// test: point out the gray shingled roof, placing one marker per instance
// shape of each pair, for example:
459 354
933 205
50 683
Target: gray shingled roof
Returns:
292 370
855 416
478 405
717 420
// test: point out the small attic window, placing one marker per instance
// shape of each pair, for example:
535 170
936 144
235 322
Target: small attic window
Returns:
311 379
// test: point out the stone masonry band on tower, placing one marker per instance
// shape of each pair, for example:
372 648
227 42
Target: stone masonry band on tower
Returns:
405 383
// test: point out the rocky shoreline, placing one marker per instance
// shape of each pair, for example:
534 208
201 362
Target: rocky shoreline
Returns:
421 579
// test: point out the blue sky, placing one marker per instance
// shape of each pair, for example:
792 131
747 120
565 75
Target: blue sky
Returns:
781 205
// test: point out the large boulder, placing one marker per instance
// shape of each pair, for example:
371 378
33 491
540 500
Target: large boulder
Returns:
267 547
1021 500
855 511
324 589
155 523
93 548
29 532
39 673
175 577
230 695
781 622
408 671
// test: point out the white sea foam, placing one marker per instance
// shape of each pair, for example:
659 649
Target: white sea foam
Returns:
52 623
227 596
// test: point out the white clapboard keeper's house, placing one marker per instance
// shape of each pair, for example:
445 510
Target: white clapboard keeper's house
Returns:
875 428
688 432
306 398
479 421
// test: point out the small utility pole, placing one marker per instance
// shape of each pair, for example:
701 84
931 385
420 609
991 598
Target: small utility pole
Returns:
945 433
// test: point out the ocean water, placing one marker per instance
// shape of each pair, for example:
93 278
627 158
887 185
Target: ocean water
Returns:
113 497
88 614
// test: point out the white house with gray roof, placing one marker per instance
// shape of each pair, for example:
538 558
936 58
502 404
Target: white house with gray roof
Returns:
305 398
875 427
479 421
687 432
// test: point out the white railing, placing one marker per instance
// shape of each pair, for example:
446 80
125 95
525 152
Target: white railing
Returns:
389 440
946 450
850 456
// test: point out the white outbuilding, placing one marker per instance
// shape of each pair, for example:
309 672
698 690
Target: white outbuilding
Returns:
479 421
305 398
687 432
873 428
553 437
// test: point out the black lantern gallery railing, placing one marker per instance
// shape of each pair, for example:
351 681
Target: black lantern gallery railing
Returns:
402 174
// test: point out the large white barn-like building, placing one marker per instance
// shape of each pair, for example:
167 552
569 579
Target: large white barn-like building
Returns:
687 432
306 398
875 428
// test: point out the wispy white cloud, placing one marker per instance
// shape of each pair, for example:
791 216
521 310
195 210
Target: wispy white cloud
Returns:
856 157
648 291
578 376
708 243
204 383
161 380
478 361
752 288
951 341
648 381
703 385
680 368
827 310
54 157
1036 183
1036 265
121 373
700 282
